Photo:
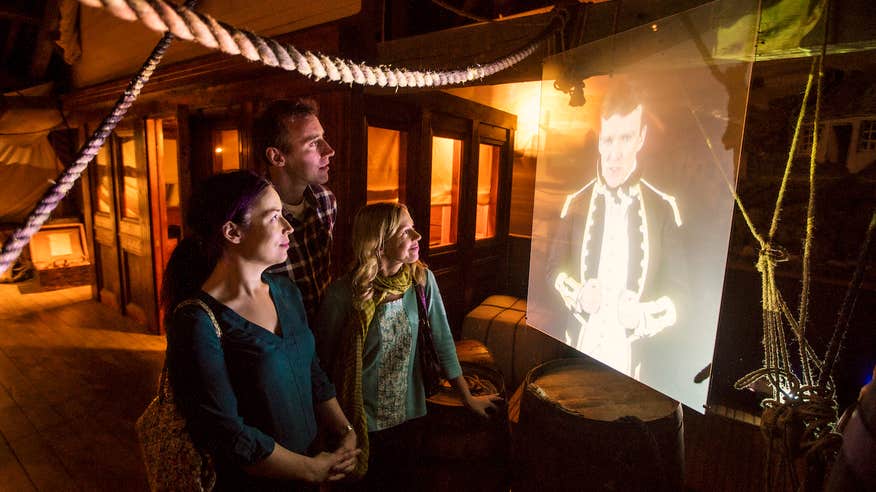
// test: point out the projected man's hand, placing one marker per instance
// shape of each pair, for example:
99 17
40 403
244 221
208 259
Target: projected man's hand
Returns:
590 296
629 310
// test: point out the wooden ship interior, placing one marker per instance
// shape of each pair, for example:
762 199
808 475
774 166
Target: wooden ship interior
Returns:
83 336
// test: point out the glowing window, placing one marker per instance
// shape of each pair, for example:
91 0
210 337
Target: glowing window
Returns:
387 162
226 150
444 211
130 167
867 136
488 184
169 162
104 185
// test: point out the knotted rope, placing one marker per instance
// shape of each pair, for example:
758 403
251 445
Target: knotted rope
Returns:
19 238
800 414
799 419
203 29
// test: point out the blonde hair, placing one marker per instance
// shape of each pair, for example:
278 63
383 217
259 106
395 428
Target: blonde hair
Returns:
373 226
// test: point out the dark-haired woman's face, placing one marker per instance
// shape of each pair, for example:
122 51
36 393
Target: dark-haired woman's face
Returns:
266 239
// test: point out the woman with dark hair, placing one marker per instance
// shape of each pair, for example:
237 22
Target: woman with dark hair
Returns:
256 396
368 327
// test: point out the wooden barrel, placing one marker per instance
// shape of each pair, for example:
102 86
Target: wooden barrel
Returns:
453 432
584 426
473 352
460 451
500 323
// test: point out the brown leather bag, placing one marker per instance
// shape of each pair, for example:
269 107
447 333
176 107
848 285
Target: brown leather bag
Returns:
173 462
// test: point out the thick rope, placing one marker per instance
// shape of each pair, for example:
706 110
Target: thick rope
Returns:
791 152
776 359
806 366
800 417
203 29
16 242
185 23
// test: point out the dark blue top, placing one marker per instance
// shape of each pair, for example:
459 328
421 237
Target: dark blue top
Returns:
252 390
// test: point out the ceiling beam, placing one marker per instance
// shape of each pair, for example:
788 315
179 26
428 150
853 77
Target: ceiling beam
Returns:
9 12
45 42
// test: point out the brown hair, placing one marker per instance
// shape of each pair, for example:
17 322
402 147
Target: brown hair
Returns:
271 126
621 99
218 199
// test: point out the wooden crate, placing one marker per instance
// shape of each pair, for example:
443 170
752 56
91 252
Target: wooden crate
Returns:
60 256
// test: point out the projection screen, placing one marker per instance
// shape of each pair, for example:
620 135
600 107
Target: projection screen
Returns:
639 144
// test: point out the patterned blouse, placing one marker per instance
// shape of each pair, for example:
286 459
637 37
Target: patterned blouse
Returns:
392 368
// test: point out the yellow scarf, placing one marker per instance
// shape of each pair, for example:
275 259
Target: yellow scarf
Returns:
348 366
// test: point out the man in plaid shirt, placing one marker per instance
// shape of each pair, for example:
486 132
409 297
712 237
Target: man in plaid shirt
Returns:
290 137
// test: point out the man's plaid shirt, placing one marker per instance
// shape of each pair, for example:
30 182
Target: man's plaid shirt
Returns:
310 247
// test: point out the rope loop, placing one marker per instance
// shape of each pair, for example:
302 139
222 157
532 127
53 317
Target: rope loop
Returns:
769 255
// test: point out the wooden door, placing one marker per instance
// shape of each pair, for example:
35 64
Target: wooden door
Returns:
106 239
168 189
122 225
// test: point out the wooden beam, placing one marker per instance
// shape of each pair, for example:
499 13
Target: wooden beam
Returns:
45 42
10 12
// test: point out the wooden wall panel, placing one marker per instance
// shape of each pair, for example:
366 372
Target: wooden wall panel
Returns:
109 279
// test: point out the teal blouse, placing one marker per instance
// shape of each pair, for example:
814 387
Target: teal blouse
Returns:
251 390
332 323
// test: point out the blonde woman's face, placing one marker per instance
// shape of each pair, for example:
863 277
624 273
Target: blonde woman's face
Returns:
403 247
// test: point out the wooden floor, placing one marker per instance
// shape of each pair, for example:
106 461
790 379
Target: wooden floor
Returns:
74 376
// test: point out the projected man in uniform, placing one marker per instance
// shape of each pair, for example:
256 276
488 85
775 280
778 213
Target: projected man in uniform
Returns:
608 260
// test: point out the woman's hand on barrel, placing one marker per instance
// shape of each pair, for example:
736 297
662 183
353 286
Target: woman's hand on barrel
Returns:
485 406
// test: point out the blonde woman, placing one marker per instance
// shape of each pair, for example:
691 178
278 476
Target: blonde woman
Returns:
367 330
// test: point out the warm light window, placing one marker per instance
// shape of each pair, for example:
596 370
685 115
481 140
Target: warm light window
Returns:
867 137
387 162
104 185
226 150
488 184
169 163
130 186
444 213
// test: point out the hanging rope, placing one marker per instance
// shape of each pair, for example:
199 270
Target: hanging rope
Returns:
800 417
20 237
851 297
203 29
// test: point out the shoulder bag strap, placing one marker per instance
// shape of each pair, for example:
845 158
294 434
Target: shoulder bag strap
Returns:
421 304
203 305
163 383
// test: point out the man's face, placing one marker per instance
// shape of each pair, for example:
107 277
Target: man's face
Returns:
307 160
620 139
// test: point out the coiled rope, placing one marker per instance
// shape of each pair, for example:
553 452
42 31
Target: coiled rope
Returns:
16 242
203 29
